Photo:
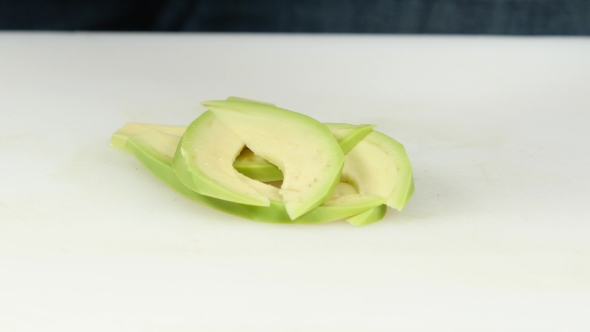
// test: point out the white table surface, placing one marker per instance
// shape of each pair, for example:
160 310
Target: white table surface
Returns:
496 237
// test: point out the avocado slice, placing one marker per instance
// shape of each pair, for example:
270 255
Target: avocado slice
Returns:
234 98
379 165
156 150
301 147
348 135
203 162
368 217
119 138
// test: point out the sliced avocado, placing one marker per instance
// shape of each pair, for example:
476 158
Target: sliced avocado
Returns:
301 147
155 150
379 165
203 162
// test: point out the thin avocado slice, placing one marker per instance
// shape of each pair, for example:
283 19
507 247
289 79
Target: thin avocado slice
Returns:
379 165
301 147
119 138
348 135
156 150
368 217
203 162
234 98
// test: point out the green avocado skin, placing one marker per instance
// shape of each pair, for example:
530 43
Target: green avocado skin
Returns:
160 164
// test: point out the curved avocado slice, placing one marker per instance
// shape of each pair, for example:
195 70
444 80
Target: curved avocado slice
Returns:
234 98
119 138
155 150
368 217
348 135
379 165
203 162
301 147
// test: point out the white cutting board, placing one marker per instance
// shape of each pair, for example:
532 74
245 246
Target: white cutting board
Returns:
496 237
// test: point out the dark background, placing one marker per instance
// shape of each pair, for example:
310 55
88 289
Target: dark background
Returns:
504 17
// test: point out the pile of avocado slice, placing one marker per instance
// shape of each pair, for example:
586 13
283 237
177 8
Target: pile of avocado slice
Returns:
264 163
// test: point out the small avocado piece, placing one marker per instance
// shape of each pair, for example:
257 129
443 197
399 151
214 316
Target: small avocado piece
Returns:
378 165
156 150
303 149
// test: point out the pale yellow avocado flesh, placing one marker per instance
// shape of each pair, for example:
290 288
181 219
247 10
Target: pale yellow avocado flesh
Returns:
345 189
301 147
